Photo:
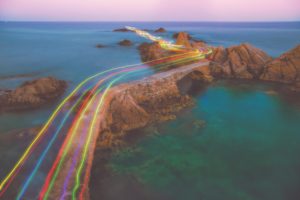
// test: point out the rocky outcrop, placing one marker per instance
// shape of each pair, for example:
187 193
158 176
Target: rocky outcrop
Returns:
243 61
160 30
126 43
195 43
154 99
285 68
247 62
152 51
122 30
32 94
238 62
175 35
183 39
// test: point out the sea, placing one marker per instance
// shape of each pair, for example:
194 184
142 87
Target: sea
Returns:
239 141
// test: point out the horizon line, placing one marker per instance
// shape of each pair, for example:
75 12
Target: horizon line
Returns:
146 21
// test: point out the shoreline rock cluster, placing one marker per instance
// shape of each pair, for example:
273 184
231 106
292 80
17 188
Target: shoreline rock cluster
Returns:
238 62
32 94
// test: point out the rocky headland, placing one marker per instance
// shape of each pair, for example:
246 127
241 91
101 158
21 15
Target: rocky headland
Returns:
32 94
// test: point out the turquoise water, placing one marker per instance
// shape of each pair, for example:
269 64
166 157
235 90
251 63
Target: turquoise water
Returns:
238 142
67 50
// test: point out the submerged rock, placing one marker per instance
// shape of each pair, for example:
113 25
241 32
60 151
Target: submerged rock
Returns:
32 94
198 124
125 43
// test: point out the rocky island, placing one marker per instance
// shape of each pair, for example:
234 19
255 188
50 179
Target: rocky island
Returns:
32 94
125 43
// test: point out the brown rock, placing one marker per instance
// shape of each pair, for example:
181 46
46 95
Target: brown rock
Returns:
285 69
243 61
125 43
32 94
175 36
122 30
195 43
152 51
183 39
160 30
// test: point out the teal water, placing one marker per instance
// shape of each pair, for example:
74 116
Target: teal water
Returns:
238 142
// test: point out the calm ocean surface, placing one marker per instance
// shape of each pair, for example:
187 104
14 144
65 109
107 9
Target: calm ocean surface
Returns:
248 148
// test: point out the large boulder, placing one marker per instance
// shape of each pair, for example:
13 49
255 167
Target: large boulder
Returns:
285 68
243 61
32 94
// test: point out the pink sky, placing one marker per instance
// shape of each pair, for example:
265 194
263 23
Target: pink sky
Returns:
150 10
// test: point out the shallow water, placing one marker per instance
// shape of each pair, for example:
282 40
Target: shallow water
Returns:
238 142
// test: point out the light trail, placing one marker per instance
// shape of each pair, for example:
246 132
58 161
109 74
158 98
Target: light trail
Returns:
167 45
37 166
57 165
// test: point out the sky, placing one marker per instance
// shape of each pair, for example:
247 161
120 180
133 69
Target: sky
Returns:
150 10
